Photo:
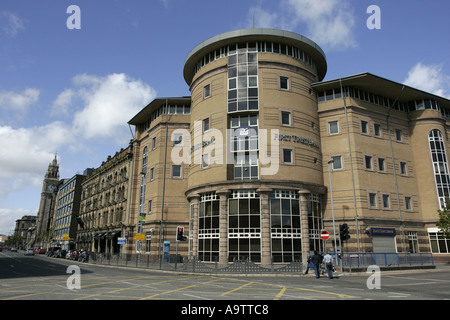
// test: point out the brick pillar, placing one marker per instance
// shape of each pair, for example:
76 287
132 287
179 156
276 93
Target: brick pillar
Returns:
266 251
223 226
303 195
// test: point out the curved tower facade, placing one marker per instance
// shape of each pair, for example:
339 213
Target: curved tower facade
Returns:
255 180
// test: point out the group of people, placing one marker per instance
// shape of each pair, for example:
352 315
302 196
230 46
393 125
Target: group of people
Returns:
317 260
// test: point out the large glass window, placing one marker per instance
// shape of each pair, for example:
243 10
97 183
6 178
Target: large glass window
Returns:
285 226
242 78
439 244
208 227
244 226
440 166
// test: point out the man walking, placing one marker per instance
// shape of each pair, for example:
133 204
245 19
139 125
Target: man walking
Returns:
316 260
328 261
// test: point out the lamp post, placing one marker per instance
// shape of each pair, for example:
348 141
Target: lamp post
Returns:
332 210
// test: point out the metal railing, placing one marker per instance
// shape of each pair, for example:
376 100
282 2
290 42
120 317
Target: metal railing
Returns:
355 260
349 260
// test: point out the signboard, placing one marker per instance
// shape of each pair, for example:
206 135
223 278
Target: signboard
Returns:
121 240
383 231
324 234
139 236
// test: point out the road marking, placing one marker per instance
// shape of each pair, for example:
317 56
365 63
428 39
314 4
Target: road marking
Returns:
236 289
278 296
166 292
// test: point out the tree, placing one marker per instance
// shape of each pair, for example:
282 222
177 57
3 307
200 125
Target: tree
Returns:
444 219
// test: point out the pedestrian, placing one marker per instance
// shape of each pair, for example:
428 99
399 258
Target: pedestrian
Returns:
328 261
316 260
308 263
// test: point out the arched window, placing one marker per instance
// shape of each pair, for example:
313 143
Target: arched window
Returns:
440 166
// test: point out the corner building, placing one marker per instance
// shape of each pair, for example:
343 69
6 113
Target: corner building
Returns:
252 88
257 136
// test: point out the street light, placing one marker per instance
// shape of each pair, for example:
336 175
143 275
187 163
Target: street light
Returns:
332 209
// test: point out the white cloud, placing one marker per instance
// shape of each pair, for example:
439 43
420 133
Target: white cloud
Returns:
329 22
18 103
29 151
60 106
10 24
108 103
429 78
8 218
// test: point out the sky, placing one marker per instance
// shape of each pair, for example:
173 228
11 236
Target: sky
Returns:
70 80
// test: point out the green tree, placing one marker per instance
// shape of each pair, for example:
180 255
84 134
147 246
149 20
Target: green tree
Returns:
444 219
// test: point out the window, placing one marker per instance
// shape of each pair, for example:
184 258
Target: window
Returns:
205 124
368 162
208 227
242 79
398 135
176 171
246 166
337 162
333 127
438 242
150 203
206 91
244 226
364 127
413 242
152 174
440 165
285 225
381 165
177 139
287 156
205 161
154 143
403 168
286 118
284 83
377 130
372 200
408 203
386 201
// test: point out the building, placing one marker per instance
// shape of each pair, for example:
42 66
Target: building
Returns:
104 206
388 143
265 155
22 230
159 203
43 233
66 213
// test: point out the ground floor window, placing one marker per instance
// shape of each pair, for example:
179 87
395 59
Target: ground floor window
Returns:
439 244
286 230
413 242
244 226
208 227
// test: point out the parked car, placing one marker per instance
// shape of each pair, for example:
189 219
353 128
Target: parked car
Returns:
13 249
29 252
42 251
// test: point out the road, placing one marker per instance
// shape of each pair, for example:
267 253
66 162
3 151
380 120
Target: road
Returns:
43 278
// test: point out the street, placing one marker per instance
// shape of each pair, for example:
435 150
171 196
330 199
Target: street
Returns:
43 278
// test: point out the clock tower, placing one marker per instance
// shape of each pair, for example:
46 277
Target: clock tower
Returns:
47 204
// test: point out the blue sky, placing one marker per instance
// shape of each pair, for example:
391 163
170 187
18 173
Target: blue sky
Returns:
73 91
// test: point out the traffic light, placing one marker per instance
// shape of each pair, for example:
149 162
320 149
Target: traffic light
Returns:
343 231
180 234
